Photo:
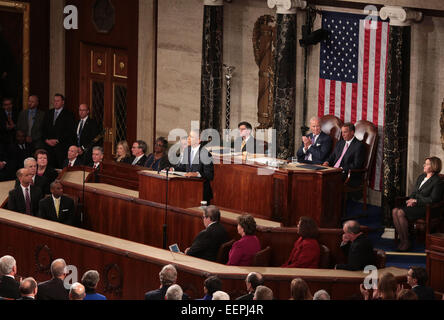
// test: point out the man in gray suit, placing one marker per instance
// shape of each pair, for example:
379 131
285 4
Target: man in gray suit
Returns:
30 121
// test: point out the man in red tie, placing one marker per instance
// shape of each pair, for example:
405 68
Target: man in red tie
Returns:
25 197
349 153
72 157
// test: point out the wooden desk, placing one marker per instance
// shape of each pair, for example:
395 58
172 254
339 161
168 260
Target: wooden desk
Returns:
182 191
282 195
435 260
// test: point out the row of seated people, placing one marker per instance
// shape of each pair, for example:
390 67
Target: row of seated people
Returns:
386 287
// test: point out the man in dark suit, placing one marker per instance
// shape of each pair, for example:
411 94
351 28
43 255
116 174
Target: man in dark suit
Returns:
417 279
87 131
18 152
58 131
72 157
207 243
9 287
357 248
25 198
54 289
28 289
138 151
168 277
30 121
38 181
316 146
8 120
348 154
246 142
57 207
197 162
97 158
253 280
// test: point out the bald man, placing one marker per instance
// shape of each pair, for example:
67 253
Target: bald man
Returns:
25 197
54 289
253 280
316 146
86 131
77 291
357 248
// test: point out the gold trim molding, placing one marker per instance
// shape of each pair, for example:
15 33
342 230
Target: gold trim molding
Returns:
25 9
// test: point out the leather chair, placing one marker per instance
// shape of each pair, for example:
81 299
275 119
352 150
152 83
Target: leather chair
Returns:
367 132
332 125
324 258
224 250
262 258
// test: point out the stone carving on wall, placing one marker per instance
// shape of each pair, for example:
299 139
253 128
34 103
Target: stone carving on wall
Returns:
442 124
43 259
113 279
264 41
104 16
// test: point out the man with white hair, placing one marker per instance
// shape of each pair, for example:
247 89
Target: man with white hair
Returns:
54 289
316 146
9 287
220 295
77 291
174 292
321 295
38 181
25 197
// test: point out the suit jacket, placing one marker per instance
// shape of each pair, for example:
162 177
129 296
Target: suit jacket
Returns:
66 211
424 293
141 161
39 181
77 162
16 155
89 132
9 288
243 251
253 145
36 130
159 294
248 296
52 290
16 200
305 254
160 164
202 163
359 253
26 298
430 192
319 151
7 135
207 243
354 158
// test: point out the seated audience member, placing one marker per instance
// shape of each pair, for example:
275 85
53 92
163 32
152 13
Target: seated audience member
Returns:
306 250
57 207
246 142
43 170
321 295
38 181
387 288
428 189
30 121
54 288
123 154
25 197
198 162
138 151
417 279
167 277
28 289
357 248
211 285
253 280
348 153
97 157
207 243
159 159
316 146
174 292
299 290
73 157
77 291
243 251
9 287
90 279
184 143
18 151
406 294
221 295
263 293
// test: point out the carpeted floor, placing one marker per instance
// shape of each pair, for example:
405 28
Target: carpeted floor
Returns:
373 219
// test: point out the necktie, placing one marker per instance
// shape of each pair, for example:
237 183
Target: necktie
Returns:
27 201
338 163
30 122
57 206
243 145
56 114
80 132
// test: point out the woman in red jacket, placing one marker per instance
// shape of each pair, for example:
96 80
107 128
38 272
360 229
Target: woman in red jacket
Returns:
243 251
306 250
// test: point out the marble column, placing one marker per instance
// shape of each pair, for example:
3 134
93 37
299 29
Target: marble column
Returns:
285 75
397 106
212 74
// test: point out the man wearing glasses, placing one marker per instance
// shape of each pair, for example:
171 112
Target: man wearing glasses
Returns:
138 151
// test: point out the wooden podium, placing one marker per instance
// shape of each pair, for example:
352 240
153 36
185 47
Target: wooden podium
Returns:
183 192
435 260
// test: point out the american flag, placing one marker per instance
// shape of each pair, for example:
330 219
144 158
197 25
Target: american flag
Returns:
353 73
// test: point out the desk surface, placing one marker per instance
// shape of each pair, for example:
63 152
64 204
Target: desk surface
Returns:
5 187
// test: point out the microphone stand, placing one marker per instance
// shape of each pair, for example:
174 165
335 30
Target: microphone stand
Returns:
165 225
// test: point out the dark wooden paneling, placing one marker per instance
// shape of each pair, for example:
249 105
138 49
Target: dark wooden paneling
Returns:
435 260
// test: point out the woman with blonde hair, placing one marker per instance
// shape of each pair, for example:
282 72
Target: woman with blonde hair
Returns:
123 154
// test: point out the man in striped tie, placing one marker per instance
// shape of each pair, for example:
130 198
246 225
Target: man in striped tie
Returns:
349 153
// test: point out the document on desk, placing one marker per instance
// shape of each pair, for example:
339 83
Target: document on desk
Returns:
179 173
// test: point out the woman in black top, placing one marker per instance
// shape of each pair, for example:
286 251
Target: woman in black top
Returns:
44 170
159 159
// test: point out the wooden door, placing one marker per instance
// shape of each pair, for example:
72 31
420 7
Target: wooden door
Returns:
103 86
